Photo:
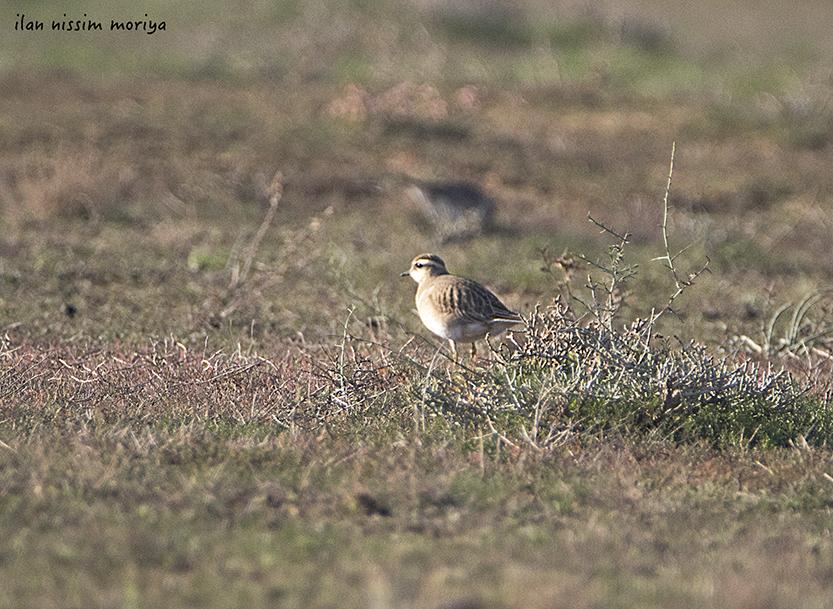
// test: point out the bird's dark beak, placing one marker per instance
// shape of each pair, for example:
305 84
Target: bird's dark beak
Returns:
405 274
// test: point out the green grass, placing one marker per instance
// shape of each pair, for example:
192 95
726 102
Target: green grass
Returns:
196 414
190 517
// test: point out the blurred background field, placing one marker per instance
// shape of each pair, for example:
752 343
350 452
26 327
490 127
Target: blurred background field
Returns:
135 166
155 346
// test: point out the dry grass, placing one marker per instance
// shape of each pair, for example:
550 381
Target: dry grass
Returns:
166 380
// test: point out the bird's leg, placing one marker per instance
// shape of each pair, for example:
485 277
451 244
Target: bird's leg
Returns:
488 339
488 342
453 349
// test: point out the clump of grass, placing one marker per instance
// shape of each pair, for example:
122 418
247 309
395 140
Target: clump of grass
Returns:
802 334
796 337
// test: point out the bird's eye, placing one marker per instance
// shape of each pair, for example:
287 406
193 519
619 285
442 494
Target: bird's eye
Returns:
419 265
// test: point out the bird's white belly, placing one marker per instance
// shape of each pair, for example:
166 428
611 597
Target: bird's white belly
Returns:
436 326
457 330
467 332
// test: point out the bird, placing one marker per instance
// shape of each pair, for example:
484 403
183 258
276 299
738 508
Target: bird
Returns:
456 210
455 308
